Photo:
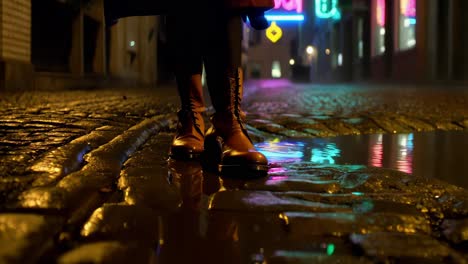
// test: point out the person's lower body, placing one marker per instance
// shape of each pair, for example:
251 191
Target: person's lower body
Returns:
226 144
187 66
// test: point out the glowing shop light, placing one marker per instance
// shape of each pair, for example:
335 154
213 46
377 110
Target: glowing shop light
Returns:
327 51
276 69
292 62
310 50
326 8
340 59
285 17
274 32
132 43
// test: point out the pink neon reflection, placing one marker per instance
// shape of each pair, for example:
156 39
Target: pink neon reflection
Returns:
278 178
269 83
376 157
277 170
405 153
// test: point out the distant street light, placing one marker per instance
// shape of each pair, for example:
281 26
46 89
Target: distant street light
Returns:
292 62
310 50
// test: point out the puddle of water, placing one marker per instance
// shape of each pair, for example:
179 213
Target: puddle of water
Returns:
438 154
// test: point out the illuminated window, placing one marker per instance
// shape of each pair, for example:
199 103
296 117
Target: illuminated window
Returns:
360 26
379 27
407 24
276 69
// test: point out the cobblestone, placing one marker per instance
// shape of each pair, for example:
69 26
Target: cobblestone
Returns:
84 178
109 252
25 237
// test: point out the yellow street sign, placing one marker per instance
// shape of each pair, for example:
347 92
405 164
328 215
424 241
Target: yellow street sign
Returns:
274 32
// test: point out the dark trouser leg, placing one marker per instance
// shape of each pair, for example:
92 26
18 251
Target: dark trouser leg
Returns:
185 49
222 54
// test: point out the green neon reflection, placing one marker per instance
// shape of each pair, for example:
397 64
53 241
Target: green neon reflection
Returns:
325 155
330 249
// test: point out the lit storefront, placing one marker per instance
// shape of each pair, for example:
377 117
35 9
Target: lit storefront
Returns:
404 23
398 40
378 25
269 52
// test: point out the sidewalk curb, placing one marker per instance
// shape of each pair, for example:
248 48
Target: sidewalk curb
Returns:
102 169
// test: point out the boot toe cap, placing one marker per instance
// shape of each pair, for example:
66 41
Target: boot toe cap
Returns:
252 157
185 150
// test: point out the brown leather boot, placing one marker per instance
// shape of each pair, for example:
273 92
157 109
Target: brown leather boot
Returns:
228 139
189 140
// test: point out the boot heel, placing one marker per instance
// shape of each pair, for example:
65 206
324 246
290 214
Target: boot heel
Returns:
212 155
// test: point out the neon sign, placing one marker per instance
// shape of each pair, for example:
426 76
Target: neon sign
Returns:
326 8
286 10
285 17
289 5
380 8
408 8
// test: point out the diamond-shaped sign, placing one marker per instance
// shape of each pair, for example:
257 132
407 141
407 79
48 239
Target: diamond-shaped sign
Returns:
274 32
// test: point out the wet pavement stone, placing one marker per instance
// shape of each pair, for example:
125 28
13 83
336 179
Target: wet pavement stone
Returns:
25 237
85 178
298 257
123 222
109 252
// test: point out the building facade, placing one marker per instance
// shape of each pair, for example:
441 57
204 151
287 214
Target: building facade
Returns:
15 43
399 40
273 53
359 40
52 44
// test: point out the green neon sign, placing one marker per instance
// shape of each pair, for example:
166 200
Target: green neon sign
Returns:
326 8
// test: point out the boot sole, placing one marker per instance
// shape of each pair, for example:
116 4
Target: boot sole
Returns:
185 156
246 171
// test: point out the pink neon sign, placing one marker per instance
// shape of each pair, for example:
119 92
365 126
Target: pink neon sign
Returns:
289 5
408 8
380 8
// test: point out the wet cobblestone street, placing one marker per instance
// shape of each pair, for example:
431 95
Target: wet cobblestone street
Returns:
84 178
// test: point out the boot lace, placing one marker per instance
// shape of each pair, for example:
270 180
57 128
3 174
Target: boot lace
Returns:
237 100
190 112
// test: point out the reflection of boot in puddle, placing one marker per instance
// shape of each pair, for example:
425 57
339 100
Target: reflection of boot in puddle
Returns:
187 227
189 178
